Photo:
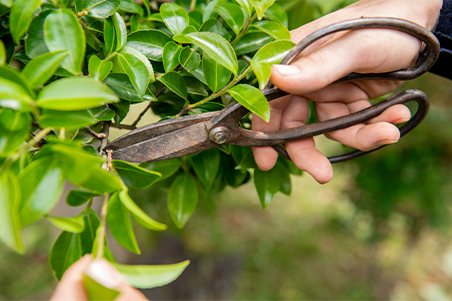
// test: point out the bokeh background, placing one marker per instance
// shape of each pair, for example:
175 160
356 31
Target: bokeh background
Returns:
379 231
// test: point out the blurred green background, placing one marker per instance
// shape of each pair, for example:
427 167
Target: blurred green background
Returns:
379 231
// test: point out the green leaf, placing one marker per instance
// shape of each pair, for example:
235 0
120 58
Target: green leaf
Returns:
62 31
40 69
7 3
20 17
214 26
261 6
166 168
99 69
9 211
2 54
262 71
34 43
171 54
115 34
102 113
101 181
13 75
252 99
97 291
74 224
135 176
88 235
251 42
206 166
66 119
123 87
209 11
273 52
189 59
150 276
273 29
139 215
216 47
41 185
285 182
267 184
10 48
277 14
149 42
233 15
199 74
120 224
73 93
136 66
131 7
13 96
195 17
175 17
216 75
14 128
182 199
195 87
66 250
77 198
98 8
173 81
247 162
247 6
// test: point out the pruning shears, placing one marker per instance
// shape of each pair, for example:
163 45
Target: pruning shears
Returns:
190 134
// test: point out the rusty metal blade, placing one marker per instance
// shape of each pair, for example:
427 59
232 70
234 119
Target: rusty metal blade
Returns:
178 143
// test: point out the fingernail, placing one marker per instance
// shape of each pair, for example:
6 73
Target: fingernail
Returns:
104 273
286 70
386 141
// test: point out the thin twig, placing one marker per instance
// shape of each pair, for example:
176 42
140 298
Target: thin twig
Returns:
157 94
95 134
193 4
245 30
104 141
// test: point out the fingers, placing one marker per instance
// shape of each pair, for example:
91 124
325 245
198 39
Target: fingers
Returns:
266 156
71 286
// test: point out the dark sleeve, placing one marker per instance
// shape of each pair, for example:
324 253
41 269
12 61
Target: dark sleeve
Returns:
443 32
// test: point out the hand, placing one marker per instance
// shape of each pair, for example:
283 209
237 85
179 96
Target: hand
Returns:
329 59
71 286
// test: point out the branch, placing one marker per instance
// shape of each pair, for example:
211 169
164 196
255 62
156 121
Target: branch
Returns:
94 133
104 141
245 29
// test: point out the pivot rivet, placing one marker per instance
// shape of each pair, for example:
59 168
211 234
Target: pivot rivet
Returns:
219 135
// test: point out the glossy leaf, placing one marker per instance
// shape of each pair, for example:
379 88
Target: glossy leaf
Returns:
97 291
267 184
2 54
214 26
149 42
199 74
40 69
273 52
101 181
98 8
14 76
150 276
73 93
13 96
137 67
66 250
20 17
251 42
216 75
66 119
41 185
206 166
123 87
195 17
9 211
277 14
135 176
138 214
131 7
252 99
175 17
233 15
171 54
34 43
120 224
88 235
62 31
195 87
74 224
77 198
273 29
99 69
102 113
14 128
247 6
182 199
189 59
7 3
263 72
115 34
261 6
173 81
209 10
217 48
166 168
